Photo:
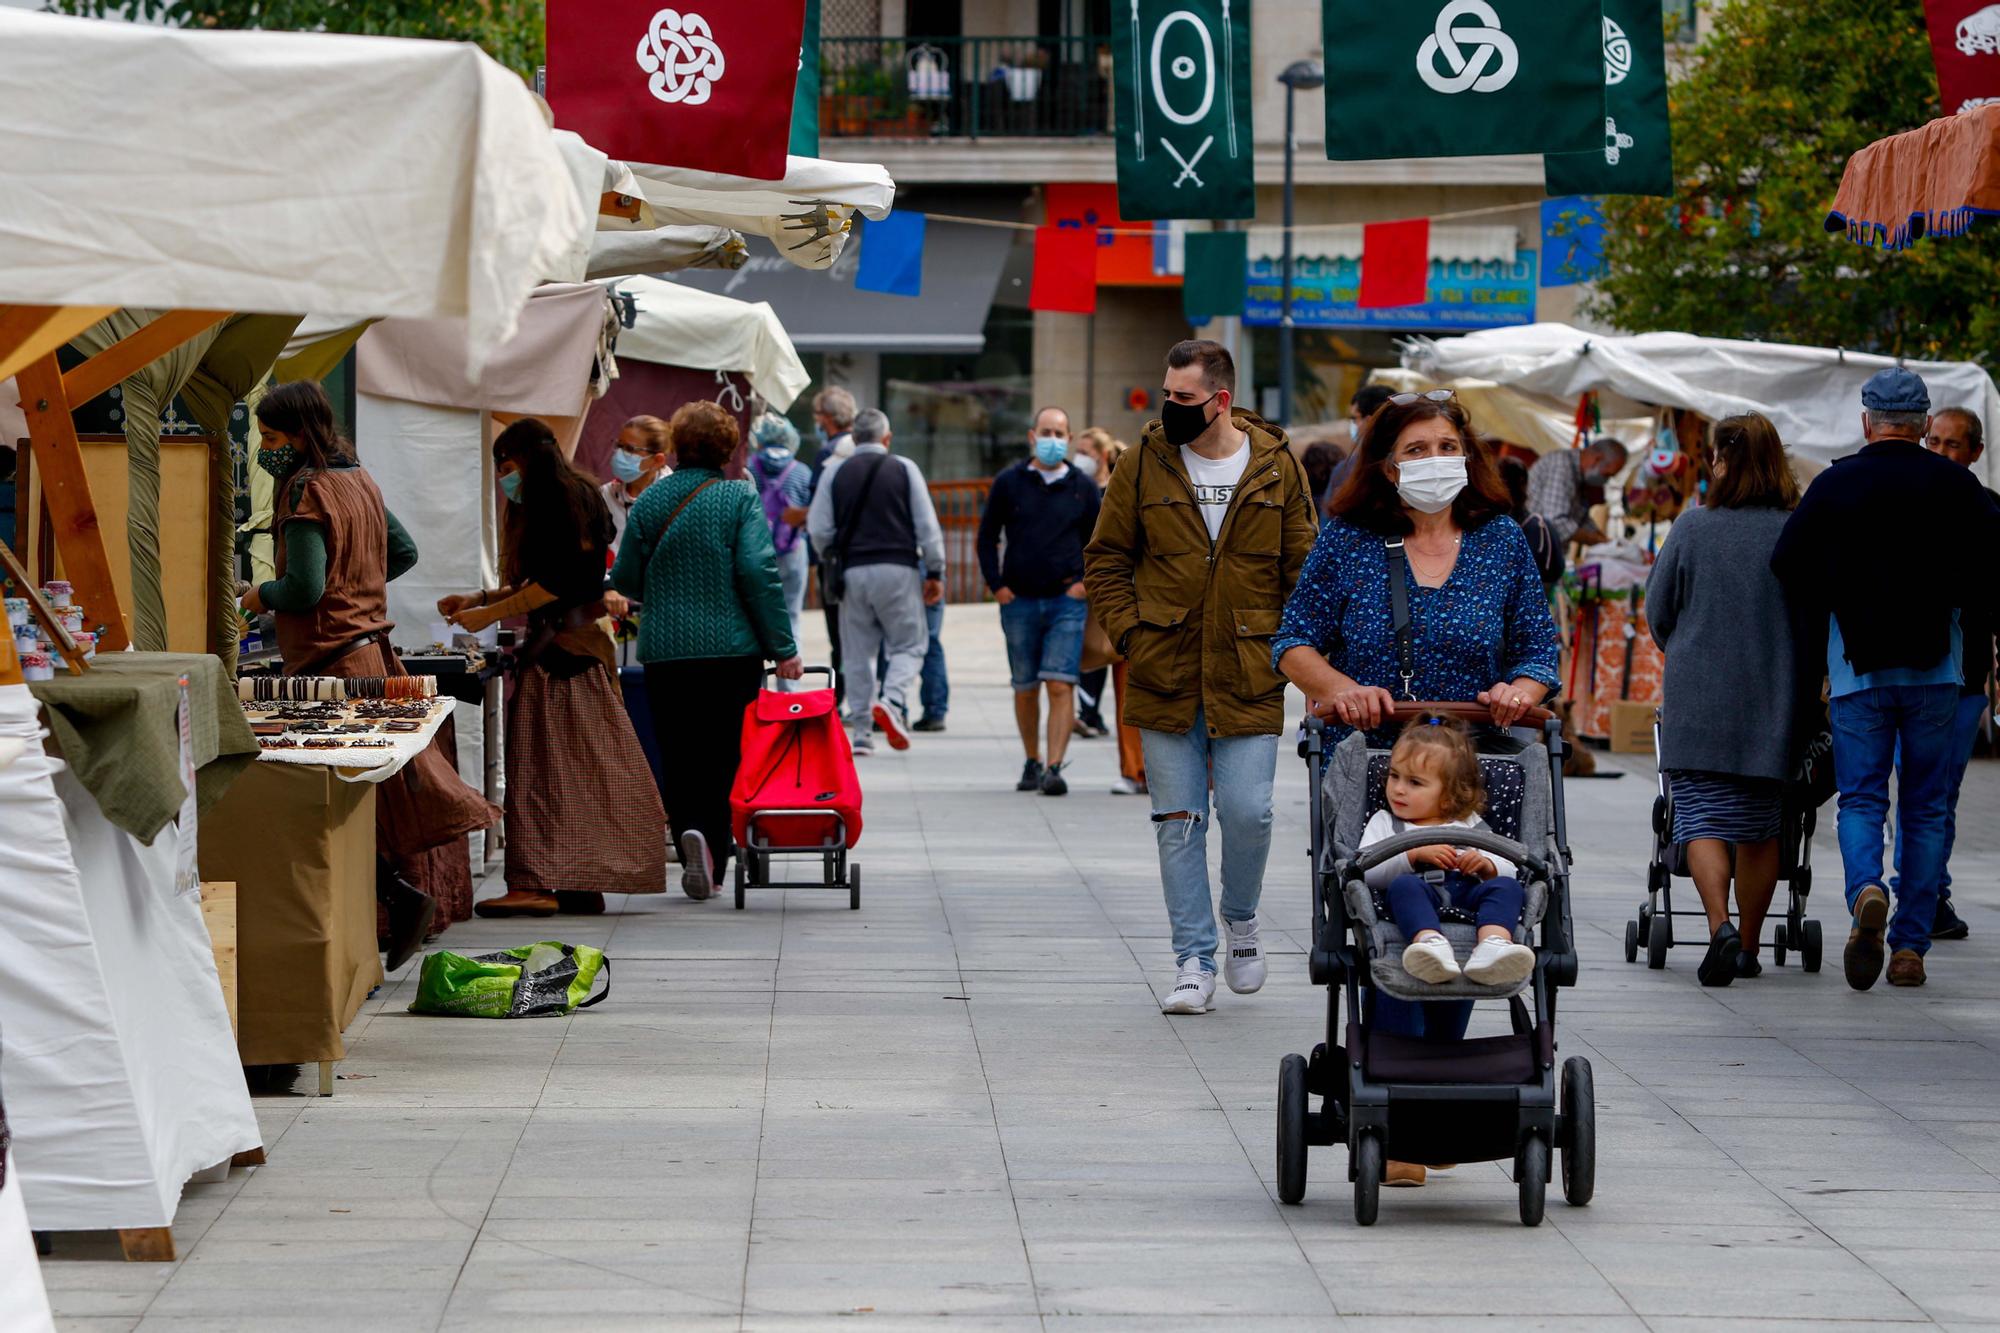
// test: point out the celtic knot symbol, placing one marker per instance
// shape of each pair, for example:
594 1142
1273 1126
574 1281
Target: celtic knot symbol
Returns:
1617 54
1616 141
680 55
1488 45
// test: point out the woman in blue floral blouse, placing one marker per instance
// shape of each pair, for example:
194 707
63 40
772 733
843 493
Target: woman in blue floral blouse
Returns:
1478 611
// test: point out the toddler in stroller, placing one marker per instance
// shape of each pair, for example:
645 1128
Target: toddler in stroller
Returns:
1434 781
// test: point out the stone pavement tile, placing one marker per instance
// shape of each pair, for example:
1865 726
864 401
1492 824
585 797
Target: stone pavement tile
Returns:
692 1276
318 1281
67 1323
1528 1274
1524 1323
816 1278
1140 1277
1768 1324
103 1285
762 1322
304 1220
1062 1322
392 1314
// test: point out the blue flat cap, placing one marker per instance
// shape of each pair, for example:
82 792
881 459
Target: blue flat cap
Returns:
1895 390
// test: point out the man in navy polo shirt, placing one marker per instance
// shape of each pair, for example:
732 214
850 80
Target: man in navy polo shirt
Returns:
1045 510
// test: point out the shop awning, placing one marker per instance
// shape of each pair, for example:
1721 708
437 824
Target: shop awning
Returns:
1936 181
824 313
677 325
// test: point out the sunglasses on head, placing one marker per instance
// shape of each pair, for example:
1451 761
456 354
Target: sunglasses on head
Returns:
1427 396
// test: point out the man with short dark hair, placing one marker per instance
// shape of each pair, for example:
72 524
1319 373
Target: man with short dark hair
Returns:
1956 434
1563 485
1889 550
1045 510
873 515
1367 401
1205 526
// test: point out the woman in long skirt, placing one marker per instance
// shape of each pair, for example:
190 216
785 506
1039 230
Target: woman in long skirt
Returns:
583 814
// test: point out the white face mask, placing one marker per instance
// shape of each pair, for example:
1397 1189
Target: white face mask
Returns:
1085 464
1429 485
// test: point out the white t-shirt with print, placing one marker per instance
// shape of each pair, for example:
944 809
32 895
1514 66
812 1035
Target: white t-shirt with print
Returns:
1215 483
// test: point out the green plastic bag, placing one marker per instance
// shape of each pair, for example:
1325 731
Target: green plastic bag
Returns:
541 980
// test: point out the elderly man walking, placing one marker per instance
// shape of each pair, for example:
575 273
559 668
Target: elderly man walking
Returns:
1563 485
1888 551
873 522
1205 527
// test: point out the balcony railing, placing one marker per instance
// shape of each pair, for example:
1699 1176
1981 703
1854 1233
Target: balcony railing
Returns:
964 87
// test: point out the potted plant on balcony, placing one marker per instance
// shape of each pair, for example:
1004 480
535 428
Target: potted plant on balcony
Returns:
859 95
1023 74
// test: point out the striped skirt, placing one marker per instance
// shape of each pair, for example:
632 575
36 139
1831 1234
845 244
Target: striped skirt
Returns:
1725 806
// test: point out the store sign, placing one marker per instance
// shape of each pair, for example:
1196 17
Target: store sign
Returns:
1463 296
1181 70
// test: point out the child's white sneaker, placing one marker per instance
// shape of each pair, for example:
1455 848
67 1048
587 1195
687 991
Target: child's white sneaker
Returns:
1243 964
1431 959
1193 992
1499 962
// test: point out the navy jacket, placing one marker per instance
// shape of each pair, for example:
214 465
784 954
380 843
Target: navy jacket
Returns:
1046 527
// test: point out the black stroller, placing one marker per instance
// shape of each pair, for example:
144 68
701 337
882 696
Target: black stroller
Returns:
1431 1102
1653 928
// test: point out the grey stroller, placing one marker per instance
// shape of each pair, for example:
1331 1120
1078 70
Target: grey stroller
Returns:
1426 1101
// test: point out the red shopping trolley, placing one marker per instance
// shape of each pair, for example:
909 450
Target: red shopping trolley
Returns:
796 794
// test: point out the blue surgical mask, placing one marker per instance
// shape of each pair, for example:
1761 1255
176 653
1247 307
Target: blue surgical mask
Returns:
1050 450
626 466
510 486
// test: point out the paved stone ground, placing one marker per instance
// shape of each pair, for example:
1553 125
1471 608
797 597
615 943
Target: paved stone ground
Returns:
962 1101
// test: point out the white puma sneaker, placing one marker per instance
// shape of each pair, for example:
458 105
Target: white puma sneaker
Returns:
1193 992
1243 966
1498 962
1431 960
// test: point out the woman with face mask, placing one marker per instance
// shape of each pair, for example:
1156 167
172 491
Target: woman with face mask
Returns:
338 547
1424 492
583 815
638 460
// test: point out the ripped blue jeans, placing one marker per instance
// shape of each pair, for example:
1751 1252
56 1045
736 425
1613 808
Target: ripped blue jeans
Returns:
1180 771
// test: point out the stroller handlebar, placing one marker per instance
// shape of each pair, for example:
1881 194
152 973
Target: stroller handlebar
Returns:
1484 840
1470 712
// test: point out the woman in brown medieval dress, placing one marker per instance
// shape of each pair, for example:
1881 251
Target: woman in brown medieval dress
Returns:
338 547
583 814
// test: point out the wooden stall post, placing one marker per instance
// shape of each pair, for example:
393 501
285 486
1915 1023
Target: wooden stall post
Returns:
59 459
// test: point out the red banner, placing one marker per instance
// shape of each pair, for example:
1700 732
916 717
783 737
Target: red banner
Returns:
1965 44
707 84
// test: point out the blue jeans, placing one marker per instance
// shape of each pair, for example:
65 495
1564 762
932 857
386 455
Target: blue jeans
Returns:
937 687
1905 730
1964 735
1179 772
1413 904
1044 639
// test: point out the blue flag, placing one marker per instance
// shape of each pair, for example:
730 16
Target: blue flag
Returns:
892 255
1572 240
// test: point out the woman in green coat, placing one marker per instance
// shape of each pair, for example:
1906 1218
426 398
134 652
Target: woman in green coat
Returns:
697 553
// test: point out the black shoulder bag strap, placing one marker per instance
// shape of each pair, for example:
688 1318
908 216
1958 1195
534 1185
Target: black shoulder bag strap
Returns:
1399 608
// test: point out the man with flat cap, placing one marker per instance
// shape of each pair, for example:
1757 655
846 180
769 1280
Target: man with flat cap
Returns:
1884 556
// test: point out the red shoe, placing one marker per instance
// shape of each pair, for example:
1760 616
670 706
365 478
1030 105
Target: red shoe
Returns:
893 726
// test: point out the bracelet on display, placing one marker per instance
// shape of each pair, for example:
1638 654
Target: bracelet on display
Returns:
335 689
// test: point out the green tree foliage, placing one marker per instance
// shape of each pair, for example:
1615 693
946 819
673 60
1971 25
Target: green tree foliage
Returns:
1775 99
508 30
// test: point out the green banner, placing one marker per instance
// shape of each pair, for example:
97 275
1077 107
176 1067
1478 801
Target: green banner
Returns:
805 102
1217 278
1462 78
1182 75
1638 152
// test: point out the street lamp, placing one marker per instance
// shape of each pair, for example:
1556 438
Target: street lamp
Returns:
1300 75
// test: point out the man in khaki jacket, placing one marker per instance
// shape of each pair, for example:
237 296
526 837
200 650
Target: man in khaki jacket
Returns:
1203 531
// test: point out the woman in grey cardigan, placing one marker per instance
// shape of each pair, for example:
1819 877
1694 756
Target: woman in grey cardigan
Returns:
1718 614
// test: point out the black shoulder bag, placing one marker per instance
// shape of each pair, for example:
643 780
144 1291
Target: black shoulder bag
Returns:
1399 609
833 563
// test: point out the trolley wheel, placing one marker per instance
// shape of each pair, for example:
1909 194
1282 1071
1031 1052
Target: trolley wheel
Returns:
1645 921
1531 1174
853 887
1367 1178
1809 948
1631 941
741 875
1660 815
1579 1119
1292 1129
1658 941
1781 939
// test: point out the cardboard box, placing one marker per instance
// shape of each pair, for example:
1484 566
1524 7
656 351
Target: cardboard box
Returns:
1632 727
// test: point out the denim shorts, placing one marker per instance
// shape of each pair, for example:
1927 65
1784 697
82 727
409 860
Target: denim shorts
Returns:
1044 639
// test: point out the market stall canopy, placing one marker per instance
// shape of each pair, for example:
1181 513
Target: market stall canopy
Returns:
1812 394
280 172
1935 181
807 215
1518 418
675 325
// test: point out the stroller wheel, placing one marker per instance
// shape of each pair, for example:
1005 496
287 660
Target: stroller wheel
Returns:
1658 941
1579 1131
1809 948
1631 941
1531 1173
853 888
1367 1178
1780 942
1292 1129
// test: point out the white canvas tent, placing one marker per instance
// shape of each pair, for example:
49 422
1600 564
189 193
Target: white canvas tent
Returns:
807 215
1812 394
674 325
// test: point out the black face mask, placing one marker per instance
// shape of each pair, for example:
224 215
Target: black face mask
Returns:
1183 423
